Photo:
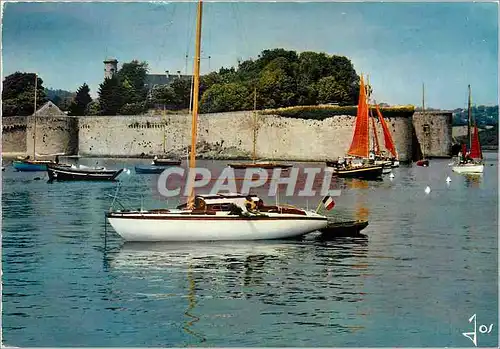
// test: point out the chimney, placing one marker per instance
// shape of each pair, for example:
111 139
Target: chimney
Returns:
179 73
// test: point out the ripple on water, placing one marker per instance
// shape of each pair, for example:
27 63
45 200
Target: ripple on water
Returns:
421 257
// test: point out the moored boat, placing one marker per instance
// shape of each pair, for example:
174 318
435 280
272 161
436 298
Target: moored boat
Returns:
359 165
166 162
219 217
468 168
422 162
471 162
82 173
141 169
215 218
363 172
259 164
26 165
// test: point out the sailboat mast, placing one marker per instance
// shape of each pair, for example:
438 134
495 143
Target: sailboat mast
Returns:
254 153
423 98
34 117
423 113
196 86
469 119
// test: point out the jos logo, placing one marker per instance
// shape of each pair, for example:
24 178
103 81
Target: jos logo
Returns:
483 329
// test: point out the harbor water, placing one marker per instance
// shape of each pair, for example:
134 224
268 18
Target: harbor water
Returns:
426 264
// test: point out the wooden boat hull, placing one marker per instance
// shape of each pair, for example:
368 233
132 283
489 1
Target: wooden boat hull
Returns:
365 172
269 165
62 173
149 169
468 168
166 162
217 227
423 163
30 166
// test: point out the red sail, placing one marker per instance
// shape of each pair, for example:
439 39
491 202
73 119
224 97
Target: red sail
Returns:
475 148
376 146
389 143
361 139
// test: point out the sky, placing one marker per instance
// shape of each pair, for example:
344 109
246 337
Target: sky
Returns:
400 46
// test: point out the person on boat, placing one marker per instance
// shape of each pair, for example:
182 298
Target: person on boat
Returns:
260 204
250 205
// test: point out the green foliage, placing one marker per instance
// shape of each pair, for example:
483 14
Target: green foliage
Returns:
112 96
164 96
93 108
276 87
182 92
125 92
484 115
327 111
284 78
61 98
133 76
487 137
18 94
81 100
330 90
132 109
225 97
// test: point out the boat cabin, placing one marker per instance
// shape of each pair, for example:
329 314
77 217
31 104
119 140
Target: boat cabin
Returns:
210 204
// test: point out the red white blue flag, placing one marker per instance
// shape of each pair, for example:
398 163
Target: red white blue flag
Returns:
328 202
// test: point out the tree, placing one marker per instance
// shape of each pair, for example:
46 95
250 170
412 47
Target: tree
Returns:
81 100
93 108
111 96
164 96
18 94
330 90
226 97
182 92
61 98
133 75
275 87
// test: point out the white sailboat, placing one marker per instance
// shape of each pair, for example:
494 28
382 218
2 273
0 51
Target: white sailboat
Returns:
471 162
215 217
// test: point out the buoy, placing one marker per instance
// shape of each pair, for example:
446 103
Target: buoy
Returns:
448 179
391 175
427 190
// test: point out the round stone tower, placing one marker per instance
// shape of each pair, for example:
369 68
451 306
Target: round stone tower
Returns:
110 67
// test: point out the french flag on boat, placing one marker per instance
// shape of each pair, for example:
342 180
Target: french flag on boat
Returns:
328 202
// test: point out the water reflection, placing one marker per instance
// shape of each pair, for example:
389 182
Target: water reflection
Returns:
192 303
284 276
473 180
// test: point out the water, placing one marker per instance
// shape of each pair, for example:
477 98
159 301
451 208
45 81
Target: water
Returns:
428 262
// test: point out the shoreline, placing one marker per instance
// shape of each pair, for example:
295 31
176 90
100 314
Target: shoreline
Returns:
218 157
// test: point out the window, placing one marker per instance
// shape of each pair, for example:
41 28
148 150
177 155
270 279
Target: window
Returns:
427 128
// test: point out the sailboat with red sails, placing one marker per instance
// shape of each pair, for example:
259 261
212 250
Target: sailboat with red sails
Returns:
356 164
380 158
471 162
